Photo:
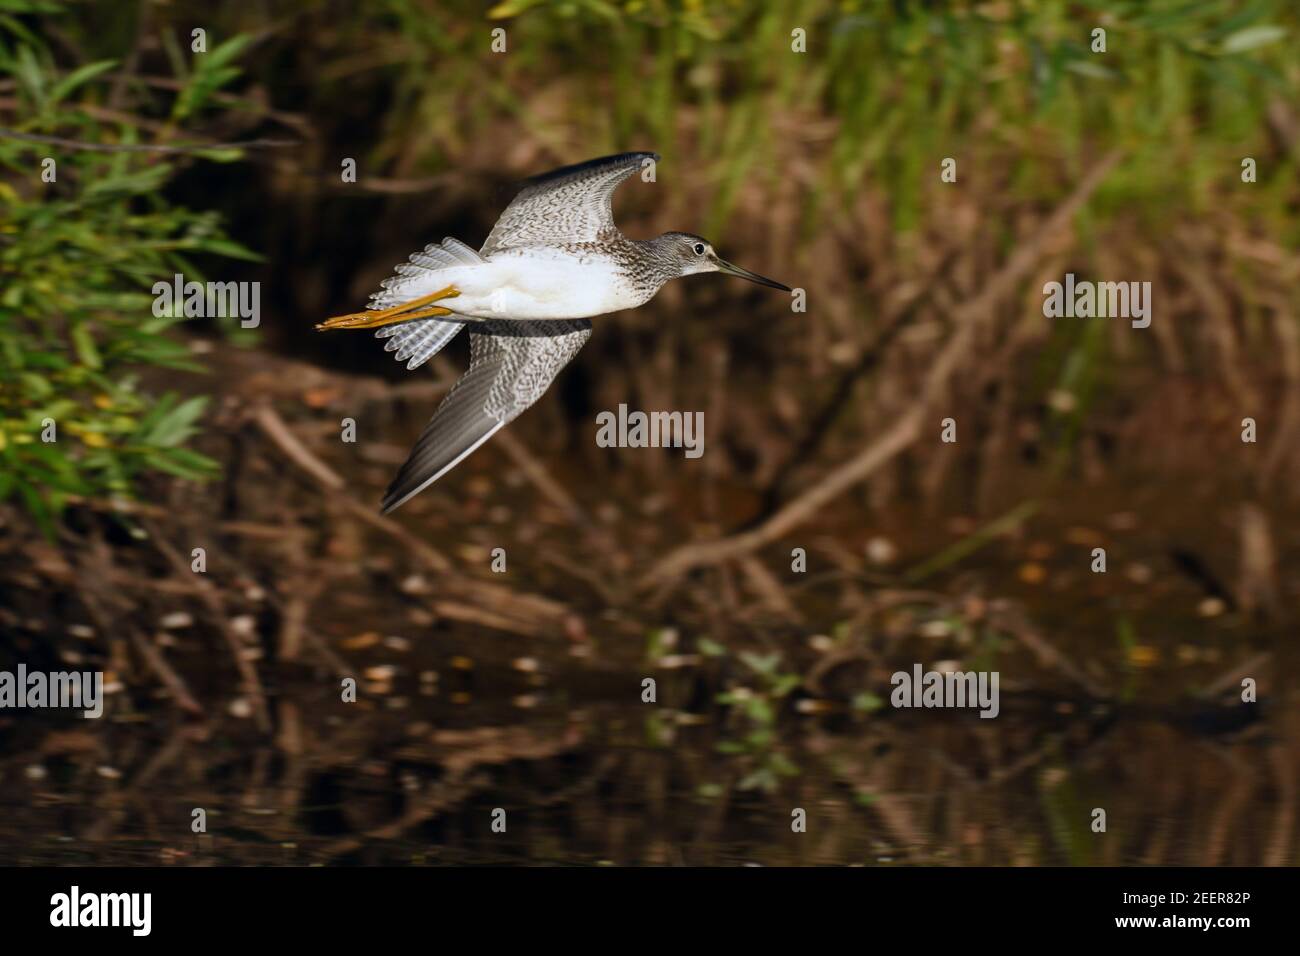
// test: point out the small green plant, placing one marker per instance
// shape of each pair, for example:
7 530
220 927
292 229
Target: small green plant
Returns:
759 746
85 233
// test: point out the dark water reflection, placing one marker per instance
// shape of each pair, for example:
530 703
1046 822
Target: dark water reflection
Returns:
415 778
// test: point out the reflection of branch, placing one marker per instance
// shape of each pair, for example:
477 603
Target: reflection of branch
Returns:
1283 764
212 600
111 807
441 796
907 428
142 147
1011 619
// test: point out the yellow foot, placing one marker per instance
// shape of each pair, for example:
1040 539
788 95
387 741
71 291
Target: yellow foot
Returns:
372 318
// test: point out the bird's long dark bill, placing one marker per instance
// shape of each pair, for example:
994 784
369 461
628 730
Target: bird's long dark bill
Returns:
727 268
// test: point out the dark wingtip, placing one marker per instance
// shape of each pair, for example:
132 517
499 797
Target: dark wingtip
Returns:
394 498
617 159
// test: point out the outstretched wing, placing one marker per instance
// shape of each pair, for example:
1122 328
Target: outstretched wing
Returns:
511 366
570 204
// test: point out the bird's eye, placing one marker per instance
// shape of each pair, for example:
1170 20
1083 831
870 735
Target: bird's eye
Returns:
699 248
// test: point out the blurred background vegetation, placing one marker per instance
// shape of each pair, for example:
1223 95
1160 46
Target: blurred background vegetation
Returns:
820 168
824 165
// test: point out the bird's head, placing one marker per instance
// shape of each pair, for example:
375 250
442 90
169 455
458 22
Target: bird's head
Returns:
688 254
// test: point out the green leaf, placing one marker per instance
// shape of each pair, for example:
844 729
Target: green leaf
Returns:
210 74
230 249
183 464
1090 69
867 702
30 75
79 76
511 8
761 663
176 425
84 343
138 183
759 710
710 648
782 765
1252 38
785 683
226 52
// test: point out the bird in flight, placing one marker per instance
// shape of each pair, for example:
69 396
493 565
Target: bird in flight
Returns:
552 261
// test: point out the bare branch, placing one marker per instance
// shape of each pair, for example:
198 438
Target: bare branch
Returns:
142 147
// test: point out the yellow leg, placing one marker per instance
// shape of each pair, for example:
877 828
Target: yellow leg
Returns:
372 318
421 314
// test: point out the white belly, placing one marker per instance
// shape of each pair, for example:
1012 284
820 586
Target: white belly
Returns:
539 284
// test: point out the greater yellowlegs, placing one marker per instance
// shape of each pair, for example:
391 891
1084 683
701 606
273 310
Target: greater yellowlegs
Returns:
553 260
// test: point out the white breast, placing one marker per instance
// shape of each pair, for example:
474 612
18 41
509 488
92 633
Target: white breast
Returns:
538 283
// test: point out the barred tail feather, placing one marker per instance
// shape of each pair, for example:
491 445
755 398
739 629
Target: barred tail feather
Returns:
418 341
415 274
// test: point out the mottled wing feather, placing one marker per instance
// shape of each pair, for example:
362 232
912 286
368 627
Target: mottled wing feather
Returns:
570 204
418 340
512 364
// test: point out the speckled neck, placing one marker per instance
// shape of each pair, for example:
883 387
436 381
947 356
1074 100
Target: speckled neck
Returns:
651 262
646 264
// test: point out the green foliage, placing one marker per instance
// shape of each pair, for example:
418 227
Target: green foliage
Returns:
759 747
1183 87
78 258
